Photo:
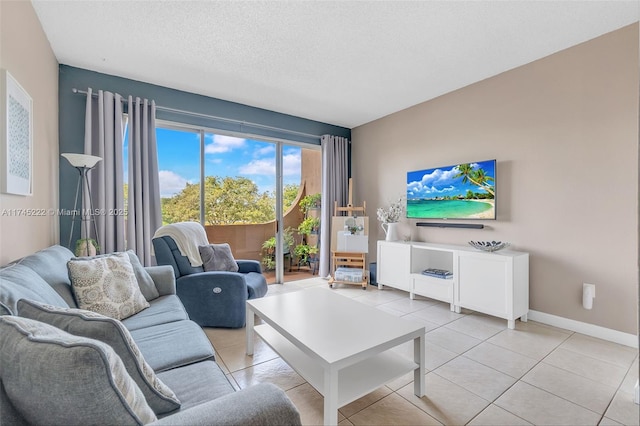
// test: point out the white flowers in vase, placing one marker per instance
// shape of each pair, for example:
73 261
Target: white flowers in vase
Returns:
393 213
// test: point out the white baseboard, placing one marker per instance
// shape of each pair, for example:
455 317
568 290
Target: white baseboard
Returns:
615 336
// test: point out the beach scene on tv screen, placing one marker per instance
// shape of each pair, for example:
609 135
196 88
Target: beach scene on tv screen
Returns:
462 191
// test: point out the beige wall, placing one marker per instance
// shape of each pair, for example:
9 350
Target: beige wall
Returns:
25 52
564 130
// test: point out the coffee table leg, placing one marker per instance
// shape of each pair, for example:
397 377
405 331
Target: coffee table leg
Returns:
249 330
418 373
330 397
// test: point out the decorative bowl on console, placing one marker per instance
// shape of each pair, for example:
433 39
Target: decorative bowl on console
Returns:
489 246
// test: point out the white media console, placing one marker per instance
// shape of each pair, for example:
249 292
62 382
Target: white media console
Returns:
495 283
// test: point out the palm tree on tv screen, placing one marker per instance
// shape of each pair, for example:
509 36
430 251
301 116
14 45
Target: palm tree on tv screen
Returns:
477 177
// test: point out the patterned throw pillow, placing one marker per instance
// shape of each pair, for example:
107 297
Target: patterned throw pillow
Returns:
54 377
218 257
112 332
107 285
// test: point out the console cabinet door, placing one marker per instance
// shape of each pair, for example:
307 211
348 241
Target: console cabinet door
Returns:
485 283
494 283
394 264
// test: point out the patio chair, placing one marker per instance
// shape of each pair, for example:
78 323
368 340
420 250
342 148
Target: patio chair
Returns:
211 298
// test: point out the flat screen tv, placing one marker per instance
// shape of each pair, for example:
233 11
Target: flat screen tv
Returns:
461 191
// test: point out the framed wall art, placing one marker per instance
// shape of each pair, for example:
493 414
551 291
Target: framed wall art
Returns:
17 137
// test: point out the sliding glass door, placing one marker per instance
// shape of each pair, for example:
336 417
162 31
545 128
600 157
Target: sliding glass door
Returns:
243 190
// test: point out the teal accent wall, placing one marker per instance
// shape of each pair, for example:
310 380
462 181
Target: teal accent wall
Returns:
72 112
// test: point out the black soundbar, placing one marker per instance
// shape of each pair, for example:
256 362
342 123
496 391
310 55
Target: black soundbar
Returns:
451 225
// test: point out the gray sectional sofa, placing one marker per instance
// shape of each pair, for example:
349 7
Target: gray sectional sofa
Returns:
37 370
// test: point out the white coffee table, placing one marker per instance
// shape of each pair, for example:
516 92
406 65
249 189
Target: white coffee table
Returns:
341 347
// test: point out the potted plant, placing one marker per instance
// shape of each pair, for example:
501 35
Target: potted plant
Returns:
309 202
390 216
309 225
302 253
269 249
354 229
86 247
269 263
313 252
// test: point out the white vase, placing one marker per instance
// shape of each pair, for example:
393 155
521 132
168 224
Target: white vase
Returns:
85 248
391 231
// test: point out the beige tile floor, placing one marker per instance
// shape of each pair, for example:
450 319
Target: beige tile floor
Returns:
478 371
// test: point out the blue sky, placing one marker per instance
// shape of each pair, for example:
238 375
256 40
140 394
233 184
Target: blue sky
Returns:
440 182
179 160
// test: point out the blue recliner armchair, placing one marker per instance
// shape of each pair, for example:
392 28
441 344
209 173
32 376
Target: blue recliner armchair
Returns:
214 298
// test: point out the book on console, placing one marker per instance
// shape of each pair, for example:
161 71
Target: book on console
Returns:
438 273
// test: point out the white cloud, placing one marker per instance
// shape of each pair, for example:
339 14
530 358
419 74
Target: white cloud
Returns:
439 176
290 166
434 190
266 150
429 182
222 143
171 183
259 167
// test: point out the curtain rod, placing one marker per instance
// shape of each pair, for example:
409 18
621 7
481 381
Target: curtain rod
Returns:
214 117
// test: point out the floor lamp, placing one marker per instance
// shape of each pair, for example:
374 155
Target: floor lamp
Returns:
83 163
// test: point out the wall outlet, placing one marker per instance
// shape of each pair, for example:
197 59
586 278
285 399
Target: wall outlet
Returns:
586 288
588 295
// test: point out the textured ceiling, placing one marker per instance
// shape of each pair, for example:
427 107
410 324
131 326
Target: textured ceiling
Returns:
344 63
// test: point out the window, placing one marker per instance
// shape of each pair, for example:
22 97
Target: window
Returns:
229 184
239 177
179 174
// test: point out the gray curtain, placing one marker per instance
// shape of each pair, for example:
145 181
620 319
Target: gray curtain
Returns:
144 214
103 138
335 187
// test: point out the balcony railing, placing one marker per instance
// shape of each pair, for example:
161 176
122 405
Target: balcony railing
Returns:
246 239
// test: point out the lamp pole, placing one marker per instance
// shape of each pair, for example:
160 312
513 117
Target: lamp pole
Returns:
83 163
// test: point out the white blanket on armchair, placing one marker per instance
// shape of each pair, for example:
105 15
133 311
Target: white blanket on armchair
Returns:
188 236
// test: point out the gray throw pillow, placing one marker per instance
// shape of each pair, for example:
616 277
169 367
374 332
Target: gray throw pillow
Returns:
19 281
145 282
218 257
112 332
107 285
55 378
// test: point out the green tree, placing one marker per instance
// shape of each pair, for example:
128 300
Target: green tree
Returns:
289 195
228 201
236 200
184 206
477 177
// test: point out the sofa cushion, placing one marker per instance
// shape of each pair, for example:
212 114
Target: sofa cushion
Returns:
18 282
53 377
261 404
107 285
110 331
218 257
162 310
197 383
8 413
172 345
51 265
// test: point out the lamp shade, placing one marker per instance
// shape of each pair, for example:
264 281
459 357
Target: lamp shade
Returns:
82 160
